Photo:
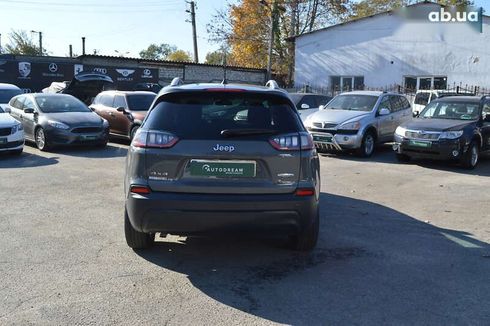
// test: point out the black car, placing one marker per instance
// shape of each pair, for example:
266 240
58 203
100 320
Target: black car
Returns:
449 128
58 119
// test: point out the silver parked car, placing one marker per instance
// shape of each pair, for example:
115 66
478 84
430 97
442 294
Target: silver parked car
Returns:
358 120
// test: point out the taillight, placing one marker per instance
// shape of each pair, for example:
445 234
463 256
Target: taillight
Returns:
292 142
153 139
304 192
140 190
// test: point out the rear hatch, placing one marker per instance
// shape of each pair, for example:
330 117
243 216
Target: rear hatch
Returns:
84 86
222 142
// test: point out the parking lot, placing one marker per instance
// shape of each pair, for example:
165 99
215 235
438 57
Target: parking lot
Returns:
399 244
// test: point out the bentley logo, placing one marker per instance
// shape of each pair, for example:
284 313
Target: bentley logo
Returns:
53 67
125 72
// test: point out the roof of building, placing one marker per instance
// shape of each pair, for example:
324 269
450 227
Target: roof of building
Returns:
292 38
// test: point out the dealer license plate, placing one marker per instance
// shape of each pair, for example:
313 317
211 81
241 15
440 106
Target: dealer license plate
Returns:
418 143
233 169
321 138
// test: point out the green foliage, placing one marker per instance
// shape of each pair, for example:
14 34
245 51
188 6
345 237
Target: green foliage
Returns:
180 55
157 52
21 43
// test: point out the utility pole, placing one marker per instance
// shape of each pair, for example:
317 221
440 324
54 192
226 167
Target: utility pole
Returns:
273 9
40 42
0 43
83 45
192 12
71 51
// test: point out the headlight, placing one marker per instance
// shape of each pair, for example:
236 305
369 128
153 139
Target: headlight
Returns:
400 131
350 125
59 125
17 127
451 134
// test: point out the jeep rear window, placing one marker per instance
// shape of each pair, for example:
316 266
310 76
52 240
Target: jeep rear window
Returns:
206 115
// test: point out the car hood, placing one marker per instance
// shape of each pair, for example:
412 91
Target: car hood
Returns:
436 124
74 119
335 116
84 86
6 120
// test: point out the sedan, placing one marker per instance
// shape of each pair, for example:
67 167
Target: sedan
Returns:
11 134
52 120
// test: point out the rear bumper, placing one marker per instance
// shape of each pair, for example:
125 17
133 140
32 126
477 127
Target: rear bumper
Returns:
204 213
439 150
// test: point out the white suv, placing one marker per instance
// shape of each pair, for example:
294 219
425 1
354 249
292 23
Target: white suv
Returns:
11 134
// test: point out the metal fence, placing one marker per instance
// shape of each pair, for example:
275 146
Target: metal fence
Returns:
458 88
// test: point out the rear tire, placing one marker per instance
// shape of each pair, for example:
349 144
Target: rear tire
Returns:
402 158
135 239
133 132
307 239
471 158
367 145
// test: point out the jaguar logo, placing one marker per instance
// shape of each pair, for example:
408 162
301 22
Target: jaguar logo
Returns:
224 148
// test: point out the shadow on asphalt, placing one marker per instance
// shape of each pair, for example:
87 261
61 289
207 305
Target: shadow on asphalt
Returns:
384 154
373 265
25 160
110 151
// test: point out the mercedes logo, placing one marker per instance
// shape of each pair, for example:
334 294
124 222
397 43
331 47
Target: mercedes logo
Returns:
53 67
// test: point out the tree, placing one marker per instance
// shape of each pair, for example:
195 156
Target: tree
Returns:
216 57
180 55
158 52
245 28
21 43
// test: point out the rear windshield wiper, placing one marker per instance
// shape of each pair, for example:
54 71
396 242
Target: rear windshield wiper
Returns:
246 132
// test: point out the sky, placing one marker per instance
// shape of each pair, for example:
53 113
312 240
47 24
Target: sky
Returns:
127 26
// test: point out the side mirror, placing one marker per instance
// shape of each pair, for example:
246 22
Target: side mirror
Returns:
486 117
416 114
28 110
7 110
305 106
321 107
121 109
384 111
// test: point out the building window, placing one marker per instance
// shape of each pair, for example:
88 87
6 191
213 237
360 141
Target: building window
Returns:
425 82
346 83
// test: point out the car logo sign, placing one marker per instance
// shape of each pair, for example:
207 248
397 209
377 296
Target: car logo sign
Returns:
224 148
53 67
147 72
24 69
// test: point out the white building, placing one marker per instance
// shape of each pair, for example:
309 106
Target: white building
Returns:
388 49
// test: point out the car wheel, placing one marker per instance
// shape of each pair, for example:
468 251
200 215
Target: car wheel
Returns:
133 132
402 158
367 145
306 240
135 239
41 140
471 158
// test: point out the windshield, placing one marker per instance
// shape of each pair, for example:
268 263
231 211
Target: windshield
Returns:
140 102
60 103
296 98
1 110
451 110
353 102
7 94
218 115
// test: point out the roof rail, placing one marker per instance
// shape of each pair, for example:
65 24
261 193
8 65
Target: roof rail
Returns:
272 84
176 82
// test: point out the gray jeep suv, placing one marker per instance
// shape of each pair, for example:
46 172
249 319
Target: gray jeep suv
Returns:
219 158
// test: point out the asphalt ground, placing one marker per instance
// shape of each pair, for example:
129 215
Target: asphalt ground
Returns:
400 244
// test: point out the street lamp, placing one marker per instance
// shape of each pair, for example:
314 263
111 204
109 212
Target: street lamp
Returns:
40 41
